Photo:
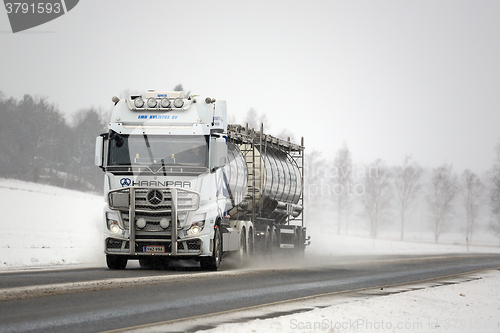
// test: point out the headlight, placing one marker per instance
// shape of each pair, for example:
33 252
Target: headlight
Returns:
196 228
138 102
113 226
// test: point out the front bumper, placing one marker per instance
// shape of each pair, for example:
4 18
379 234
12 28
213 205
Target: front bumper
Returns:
181 247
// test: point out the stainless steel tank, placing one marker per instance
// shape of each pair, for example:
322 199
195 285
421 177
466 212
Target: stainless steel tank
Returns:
267 180
236 173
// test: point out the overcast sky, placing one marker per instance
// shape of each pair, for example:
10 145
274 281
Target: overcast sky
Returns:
390 78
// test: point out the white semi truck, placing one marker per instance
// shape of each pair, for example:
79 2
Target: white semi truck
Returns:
180 183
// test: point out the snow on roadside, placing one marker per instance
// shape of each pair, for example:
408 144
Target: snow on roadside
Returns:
325 241
48 226
465 307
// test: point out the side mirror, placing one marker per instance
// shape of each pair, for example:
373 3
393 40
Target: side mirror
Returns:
99 144
219 153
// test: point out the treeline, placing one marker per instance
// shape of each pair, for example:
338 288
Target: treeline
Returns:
378 197
38 143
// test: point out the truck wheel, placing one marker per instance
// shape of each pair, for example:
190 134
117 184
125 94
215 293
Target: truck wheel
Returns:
251 241
242 252
267 243
299 242
212 263
116 262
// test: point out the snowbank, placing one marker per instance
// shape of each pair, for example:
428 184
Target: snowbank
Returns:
48 226
325 241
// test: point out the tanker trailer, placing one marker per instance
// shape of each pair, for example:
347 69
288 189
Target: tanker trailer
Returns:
272 170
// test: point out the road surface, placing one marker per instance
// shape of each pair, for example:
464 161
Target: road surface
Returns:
98 299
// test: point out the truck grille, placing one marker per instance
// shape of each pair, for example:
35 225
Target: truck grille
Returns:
153 204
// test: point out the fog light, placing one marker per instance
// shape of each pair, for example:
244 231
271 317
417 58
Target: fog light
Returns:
164 223
140 223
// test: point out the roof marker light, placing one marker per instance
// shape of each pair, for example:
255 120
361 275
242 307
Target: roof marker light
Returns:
138 102
165 103
151 102
178 102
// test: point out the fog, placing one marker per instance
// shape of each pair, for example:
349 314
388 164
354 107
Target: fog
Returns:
390 78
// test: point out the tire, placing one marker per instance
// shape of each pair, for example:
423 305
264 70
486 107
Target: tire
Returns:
213 263
116 262
267 247
251 242
299 242
243 250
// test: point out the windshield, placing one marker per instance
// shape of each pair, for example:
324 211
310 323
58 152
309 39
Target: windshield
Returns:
158 150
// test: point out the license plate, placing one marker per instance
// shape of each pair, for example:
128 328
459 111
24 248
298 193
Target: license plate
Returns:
153 249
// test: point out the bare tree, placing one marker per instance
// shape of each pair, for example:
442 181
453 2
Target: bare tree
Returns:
87 124
286 134
179 87
316 189
377 196
444 187
494 225
406 179
342 165
253 119
472 190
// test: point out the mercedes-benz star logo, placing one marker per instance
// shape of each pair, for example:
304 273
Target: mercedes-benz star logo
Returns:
155 197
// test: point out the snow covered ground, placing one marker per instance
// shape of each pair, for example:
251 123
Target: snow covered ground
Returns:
44 226
464 307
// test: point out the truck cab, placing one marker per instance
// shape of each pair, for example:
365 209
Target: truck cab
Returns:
163 184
